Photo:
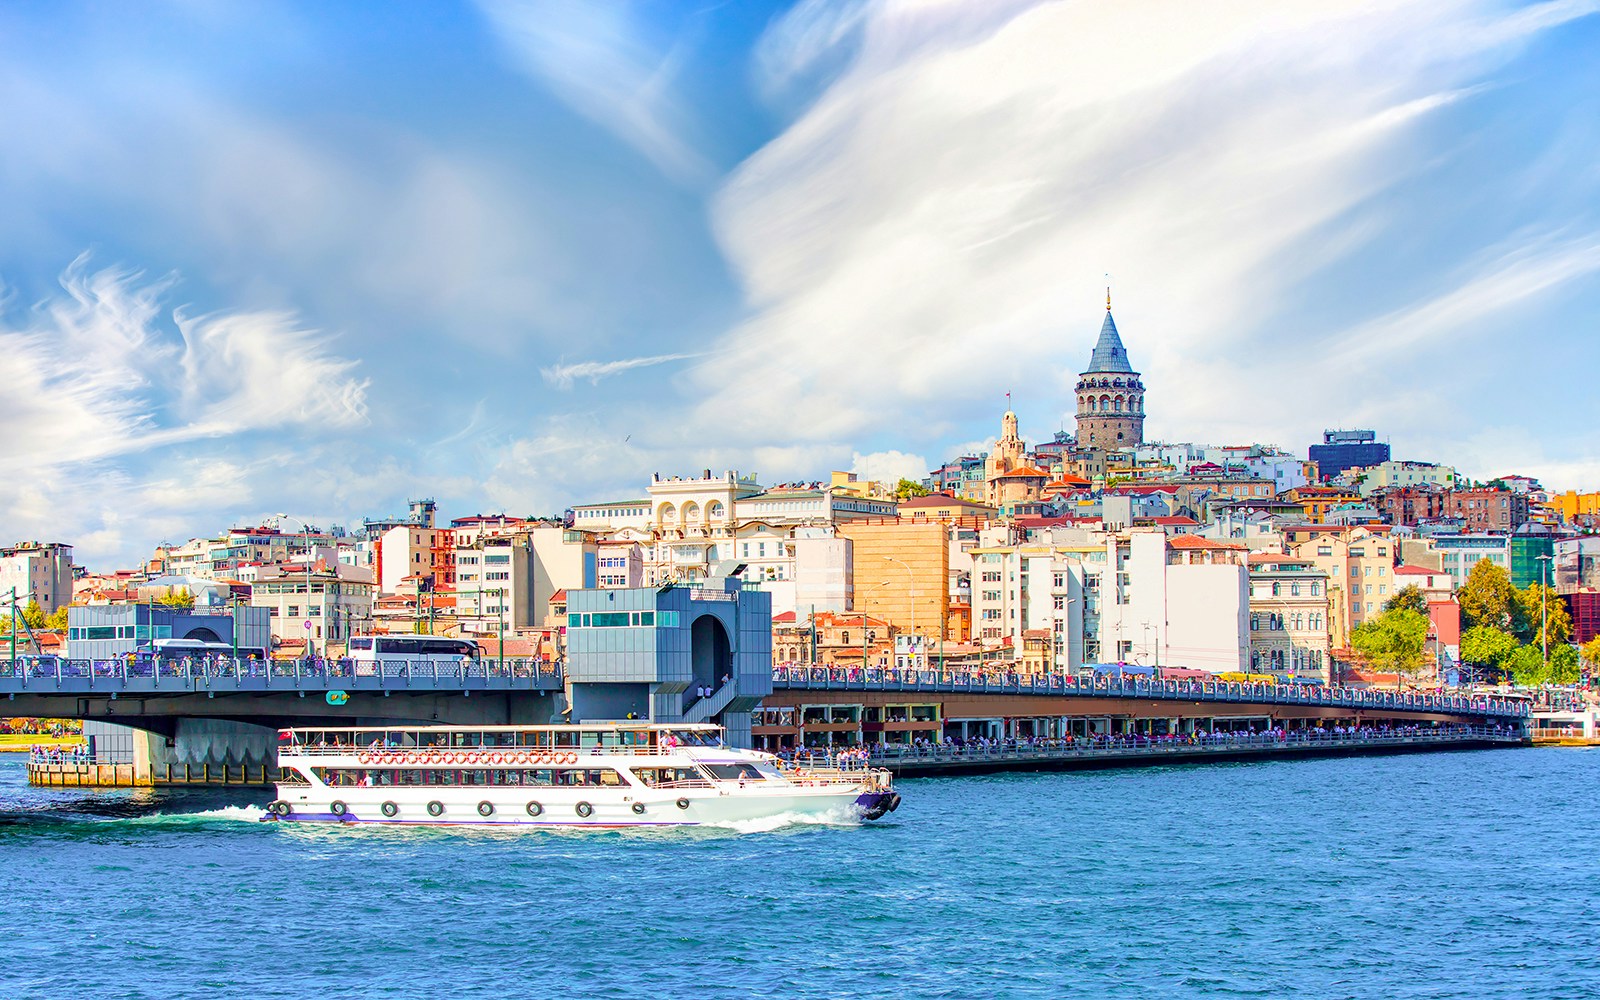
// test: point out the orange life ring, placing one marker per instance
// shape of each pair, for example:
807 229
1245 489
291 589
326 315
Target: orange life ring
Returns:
365 758
496 758
571 758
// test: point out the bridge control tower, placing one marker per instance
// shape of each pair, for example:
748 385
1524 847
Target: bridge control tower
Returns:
652 653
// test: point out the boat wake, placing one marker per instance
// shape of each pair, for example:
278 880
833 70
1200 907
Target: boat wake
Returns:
771 824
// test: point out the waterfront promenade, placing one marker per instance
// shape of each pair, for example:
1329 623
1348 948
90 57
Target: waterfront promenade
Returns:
1138 751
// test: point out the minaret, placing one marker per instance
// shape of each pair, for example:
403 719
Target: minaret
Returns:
1110 395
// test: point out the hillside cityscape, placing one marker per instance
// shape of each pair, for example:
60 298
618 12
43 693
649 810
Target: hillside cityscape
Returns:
1342 565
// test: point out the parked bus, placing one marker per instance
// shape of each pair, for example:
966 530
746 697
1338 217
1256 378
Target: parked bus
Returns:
433 648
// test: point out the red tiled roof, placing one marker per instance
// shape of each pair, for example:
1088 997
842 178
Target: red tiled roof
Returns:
784 619
1196 542
559 596
936 500
1024 472
1410 570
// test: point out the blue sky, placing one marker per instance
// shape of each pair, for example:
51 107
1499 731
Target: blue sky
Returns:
320 258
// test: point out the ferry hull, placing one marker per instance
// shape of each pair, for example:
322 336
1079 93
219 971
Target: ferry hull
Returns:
836 805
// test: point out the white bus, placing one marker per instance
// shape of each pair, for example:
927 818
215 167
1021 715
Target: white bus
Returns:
431 648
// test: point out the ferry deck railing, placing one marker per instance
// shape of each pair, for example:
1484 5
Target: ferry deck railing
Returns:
812 678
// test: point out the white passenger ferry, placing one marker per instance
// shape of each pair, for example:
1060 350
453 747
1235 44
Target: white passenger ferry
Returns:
600 775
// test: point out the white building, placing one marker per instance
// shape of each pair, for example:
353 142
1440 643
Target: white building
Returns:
37 571
1133 597
404 551
327 605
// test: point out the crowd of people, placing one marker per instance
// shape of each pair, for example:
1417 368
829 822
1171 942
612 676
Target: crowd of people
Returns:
862 755
45 754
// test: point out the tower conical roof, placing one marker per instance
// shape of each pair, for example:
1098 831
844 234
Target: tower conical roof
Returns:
1109 354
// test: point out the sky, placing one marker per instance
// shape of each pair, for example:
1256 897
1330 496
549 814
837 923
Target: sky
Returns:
317 259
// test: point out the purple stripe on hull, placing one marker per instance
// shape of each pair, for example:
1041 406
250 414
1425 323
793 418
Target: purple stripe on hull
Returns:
355 820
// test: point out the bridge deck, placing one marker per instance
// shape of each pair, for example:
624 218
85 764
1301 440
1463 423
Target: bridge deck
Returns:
117 677
1056 685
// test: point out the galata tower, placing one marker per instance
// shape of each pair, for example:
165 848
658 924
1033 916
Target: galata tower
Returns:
1110 395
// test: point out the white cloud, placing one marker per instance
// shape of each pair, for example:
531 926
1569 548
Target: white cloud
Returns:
97 375
932 230
889 466
597 59
563 374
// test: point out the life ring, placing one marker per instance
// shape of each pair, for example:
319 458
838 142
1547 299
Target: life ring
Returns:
571 758
524 759
338 808
485 808
497 758
390 809
683 803
535 809
584 809
278 808
365 758
638 807
435 808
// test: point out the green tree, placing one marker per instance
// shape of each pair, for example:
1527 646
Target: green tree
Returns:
1564 665
908 489
33 614
1393 641
1410 598
1486 646
180 598
57 622
1556 619
1591 652
1527 667
1488 598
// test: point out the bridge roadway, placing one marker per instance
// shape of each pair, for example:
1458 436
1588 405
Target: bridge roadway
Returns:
523 691
281 693
1317 700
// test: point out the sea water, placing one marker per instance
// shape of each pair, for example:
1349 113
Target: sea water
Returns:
1468 874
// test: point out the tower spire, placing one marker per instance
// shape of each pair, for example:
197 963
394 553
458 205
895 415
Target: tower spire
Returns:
1108 291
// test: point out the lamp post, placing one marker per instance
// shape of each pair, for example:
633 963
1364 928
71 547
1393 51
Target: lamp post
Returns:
500 623
1544 609
305 534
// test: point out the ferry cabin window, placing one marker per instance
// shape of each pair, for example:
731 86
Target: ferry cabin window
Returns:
669 777
735 772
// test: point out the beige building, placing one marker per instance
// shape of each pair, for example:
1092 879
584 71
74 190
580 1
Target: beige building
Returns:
1288 616
37 571
901 572
1359 563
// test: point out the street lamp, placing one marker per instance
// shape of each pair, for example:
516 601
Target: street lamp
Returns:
1544 608
911 579
500 623
305 534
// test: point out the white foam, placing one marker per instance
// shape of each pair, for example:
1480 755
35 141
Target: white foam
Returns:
843 816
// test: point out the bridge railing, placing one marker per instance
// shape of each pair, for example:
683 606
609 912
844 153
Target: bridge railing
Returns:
1125 745
38 674
800 677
